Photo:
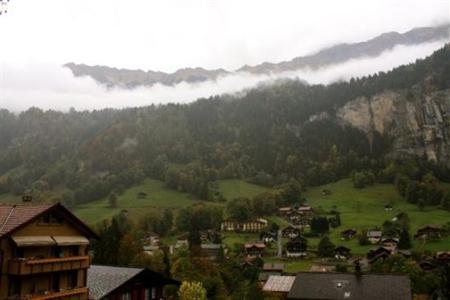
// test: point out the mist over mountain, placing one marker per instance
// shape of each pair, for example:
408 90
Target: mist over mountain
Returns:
338 54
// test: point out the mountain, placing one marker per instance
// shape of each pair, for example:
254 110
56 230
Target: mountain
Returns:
337 54
385 123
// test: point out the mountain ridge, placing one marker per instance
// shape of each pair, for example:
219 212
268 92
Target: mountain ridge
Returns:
126 78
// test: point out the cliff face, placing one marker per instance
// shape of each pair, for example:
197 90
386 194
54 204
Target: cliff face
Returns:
414 122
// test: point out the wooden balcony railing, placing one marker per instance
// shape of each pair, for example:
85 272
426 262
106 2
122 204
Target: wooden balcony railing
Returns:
77 293
47 265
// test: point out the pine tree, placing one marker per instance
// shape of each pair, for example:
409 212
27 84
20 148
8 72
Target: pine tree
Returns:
404 241
326 247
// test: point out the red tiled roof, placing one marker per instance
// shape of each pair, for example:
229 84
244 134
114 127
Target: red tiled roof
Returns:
14 216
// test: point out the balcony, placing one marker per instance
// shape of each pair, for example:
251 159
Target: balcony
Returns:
77 293
47 265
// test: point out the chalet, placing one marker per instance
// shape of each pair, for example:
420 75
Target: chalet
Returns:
390 243
285 211
351 287
380 253
111 283
212 251
254 249
268 236
290 232
306 210
429 232
252 226
297 247
374 236
43 253
182 241
210 236
273 268
427 265
255 226
443 256
348 234
278 286
388 207
270 269
150 250
151 239
342 252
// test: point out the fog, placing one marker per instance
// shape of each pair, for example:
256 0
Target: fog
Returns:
50 86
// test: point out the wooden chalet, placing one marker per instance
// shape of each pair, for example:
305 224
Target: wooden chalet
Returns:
290 232
429 232
380 253
268 236
443 256
254 249
257 225
212 251
285 211
342 252
348 234
43 253
297 247
374 236
427 265
390 242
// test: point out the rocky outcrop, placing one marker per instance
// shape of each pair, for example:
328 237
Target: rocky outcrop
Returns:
415 122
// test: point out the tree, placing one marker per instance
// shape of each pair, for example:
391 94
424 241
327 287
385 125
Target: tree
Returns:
112 199
154 262
404 240
325 247
192 291
129 248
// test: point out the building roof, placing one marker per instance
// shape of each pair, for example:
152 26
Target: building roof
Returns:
273 266
257 245
279 284
350 286
103 280
13 217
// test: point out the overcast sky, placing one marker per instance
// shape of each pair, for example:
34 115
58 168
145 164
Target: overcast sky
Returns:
165 35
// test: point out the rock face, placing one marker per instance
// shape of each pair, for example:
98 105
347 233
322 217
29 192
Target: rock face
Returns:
113 77
416 123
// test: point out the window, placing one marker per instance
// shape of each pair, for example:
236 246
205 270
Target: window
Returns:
50 219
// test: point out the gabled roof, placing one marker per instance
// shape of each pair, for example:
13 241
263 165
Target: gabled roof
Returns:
280 284
350 286
13 217
103 280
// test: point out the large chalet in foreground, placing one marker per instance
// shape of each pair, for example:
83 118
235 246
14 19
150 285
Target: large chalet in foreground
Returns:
43 253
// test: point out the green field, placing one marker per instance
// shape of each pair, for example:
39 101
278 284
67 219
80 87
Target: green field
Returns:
234 188
158 197
364 209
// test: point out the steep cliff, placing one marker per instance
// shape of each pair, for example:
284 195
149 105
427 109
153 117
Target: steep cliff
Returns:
414 122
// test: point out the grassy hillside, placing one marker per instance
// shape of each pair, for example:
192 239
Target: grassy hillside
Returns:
234 188
158 197
364 209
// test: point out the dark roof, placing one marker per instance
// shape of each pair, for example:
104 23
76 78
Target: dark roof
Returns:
350 286
13 217
103 280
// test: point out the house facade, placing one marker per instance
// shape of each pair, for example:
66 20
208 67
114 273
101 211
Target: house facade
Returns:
43 252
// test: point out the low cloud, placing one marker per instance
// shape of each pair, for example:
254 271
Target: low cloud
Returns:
50 86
